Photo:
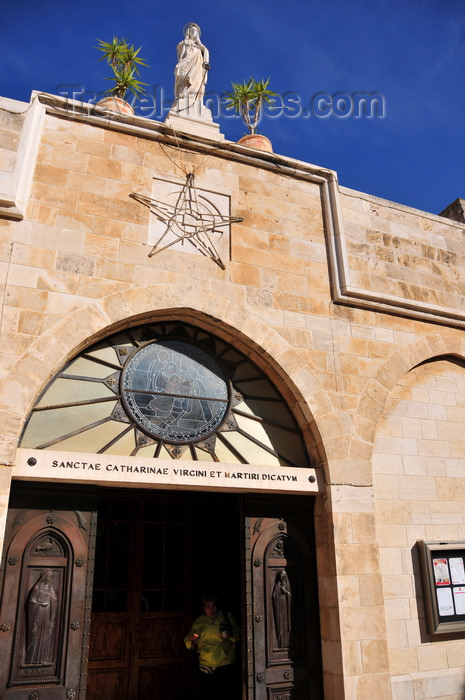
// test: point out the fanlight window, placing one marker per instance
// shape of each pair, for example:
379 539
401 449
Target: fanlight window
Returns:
166 390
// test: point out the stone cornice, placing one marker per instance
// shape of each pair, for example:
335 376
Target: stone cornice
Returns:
343 289
346 292
148 128
13 203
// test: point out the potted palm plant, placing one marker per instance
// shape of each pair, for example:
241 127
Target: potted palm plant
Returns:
247 99
124 61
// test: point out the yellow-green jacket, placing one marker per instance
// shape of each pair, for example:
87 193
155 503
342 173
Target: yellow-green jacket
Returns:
213 649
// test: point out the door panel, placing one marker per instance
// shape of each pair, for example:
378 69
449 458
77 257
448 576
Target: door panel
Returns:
283 612
108 639
44 577
106 684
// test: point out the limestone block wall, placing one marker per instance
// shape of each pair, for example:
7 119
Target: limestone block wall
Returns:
12 115
418 464
76 267
398 253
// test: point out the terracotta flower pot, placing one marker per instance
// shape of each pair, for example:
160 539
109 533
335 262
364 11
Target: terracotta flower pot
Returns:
115 104
257 141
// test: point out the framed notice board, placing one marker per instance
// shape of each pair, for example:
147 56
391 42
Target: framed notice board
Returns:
443 579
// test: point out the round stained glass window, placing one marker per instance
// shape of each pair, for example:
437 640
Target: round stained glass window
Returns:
174 391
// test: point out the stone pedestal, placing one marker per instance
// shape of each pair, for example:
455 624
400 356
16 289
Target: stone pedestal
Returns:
190 116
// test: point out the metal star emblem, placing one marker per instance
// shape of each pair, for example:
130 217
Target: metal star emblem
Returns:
187 220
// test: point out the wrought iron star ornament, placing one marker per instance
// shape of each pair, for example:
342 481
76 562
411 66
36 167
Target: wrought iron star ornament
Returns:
187 222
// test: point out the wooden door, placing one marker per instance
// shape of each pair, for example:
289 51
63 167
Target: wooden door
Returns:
284 661
44 580
156 555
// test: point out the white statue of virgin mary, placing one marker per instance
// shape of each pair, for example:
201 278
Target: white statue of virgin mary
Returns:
192 66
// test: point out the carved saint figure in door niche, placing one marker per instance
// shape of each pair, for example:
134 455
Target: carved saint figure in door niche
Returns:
282 598
41 614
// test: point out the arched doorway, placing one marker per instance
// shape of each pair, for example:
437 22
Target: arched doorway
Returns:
173 391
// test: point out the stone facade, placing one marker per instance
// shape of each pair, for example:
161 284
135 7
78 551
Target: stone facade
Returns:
353 305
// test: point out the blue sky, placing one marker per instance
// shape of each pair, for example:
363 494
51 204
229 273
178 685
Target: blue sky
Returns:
412 52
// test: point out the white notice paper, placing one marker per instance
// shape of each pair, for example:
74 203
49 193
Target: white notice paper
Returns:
457 570
445 603
459 600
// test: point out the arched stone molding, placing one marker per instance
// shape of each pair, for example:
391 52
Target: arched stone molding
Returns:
291 368
379 388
